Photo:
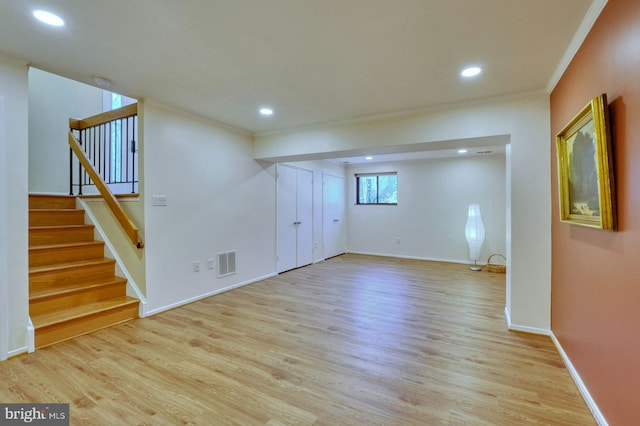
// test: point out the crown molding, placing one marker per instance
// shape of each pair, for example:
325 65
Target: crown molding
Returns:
589 20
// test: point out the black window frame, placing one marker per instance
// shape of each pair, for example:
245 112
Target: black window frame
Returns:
377 175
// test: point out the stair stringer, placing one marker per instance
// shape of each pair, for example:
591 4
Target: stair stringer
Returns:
100 234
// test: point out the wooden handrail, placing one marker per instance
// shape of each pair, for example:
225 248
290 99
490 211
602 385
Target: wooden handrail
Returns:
105 117
129 228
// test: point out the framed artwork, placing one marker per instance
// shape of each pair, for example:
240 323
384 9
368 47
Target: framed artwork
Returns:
585 168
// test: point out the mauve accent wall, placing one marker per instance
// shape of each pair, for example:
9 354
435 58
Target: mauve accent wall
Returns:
595 288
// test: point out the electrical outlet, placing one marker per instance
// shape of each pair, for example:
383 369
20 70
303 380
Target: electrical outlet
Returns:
159 200
210 264
196 266
397 240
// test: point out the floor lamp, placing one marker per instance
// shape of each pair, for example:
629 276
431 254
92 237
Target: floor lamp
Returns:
474 232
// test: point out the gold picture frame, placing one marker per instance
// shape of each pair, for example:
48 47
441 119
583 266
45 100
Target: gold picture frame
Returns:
585 168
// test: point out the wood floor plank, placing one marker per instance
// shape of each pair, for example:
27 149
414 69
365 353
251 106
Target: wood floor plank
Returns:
355 340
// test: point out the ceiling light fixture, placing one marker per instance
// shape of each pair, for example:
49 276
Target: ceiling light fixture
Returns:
471 72
48 18
266 111
462 151
368 157
102 82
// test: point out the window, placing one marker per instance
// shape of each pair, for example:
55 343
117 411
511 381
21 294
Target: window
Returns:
377 188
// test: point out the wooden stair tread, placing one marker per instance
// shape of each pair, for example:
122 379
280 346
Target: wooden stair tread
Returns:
67 289
65 245
57 227
54 210
68 265
70 314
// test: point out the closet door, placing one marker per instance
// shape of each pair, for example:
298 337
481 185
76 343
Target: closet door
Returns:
333 213
286 218
294 218
304 214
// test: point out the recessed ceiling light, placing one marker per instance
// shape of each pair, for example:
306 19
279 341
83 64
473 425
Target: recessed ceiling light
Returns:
368 157
48 18
266 111
471 72
462 151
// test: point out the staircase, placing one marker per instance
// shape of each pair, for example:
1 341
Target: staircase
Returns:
73 289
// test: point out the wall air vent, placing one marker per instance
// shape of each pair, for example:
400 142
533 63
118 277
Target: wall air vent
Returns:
226 263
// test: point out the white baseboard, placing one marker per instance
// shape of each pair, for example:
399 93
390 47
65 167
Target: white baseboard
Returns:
432 259
595 411
209 294
597 414
523 328
31 337
16 352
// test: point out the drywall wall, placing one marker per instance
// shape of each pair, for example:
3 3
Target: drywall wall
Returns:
52 101
13 187
429 220
523 121
4 282
132 257
595 284
218 199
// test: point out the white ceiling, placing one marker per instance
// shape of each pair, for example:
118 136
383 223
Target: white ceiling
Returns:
313 61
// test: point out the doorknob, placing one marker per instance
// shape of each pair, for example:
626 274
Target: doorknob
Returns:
336 220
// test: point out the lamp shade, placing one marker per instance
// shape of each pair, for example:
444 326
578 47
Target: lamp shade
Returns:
474 231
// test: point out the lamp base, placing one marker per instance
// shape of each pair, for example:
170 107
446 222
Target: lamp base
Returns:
476 268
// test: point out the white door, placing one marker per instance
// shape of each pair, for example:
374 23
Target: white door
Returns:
304 217
294 218
333 213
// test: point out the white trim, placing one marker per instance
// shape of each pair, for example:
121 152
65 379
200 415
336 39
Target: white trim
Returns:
507 317
209 294
527 329
18 351
523 328
597 414
132 287
31 336
432 259
590 18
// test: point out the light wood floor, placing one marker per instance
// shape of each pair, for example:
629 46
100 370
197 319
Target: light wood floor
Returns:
355 340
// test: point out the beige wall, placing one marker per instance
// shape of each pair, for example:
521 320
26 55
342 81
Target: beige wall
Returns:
595 275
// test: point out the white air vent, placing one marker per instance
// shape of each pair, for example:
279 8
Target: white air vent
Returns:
226 263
